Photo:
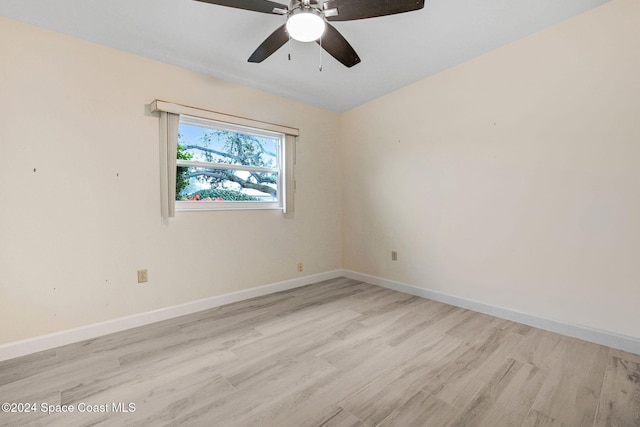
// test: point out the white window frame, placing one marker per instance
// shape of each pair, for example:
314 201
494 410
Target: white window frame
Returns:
169 117
184 205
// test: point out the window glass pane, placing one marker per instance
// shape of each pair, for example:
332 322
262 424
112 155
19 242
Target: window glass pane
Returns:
205 144
230 185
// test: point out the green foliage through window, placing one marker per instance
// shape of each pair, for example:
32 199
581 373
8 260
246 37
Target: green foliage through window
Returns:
243 166
218 194
182 176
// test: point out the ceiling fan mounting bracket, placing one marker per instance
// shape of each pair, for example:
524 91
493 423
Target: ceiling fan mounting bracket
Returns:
319 6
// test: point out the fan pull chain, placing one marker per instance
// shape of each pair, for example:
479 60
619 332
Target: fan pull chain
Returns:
320 43
289 46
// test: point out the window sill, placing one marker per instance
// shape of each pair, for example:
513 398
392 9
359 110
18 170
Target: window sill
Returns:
188 206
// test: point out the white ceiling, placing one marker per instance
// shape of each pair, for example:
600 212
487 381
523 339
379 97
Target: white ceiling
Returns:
395 50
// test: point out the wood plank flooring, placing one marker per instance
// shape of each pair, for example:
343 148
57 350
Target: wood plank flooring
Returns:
336 353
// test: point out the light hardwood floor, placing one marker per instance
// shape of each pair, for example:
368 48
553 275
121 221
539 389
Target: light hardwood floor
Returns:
336 353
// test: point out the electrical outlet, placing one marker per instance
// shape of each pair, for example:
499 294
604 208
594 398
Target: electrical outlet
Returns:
300 266
394 255
142 276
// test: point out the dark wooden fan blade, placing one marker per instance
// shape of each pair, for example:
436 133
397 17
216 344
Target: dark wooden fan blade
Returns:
270 45
338 47
263 6
349 10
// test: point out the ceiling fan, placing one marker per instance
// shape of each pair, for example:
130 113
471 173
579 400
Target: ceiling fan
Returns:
308 20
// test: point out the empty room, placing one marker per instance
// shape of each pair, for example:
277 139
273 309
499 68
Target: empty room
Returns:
320 213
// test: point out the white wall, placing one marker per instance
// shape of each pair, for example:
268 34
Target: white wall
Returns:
74 231
513 179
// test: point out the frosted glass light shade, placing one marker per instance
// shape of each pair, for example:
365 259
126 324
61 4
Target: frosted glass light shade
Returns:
305 26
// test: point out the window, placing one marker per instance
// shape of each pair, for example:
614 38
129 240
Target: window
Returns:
227 166
214 161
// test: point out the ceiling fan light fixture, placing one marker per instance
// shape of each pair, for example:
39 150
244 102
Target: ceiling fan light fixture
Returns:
305 25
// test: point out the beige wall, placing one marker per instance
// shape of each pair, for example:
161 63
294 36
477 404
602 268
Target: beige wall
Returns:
511 180
74 232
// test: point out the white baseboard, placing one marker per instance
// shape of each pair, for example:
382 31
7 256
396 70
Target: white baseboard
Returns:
49 341
609 339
